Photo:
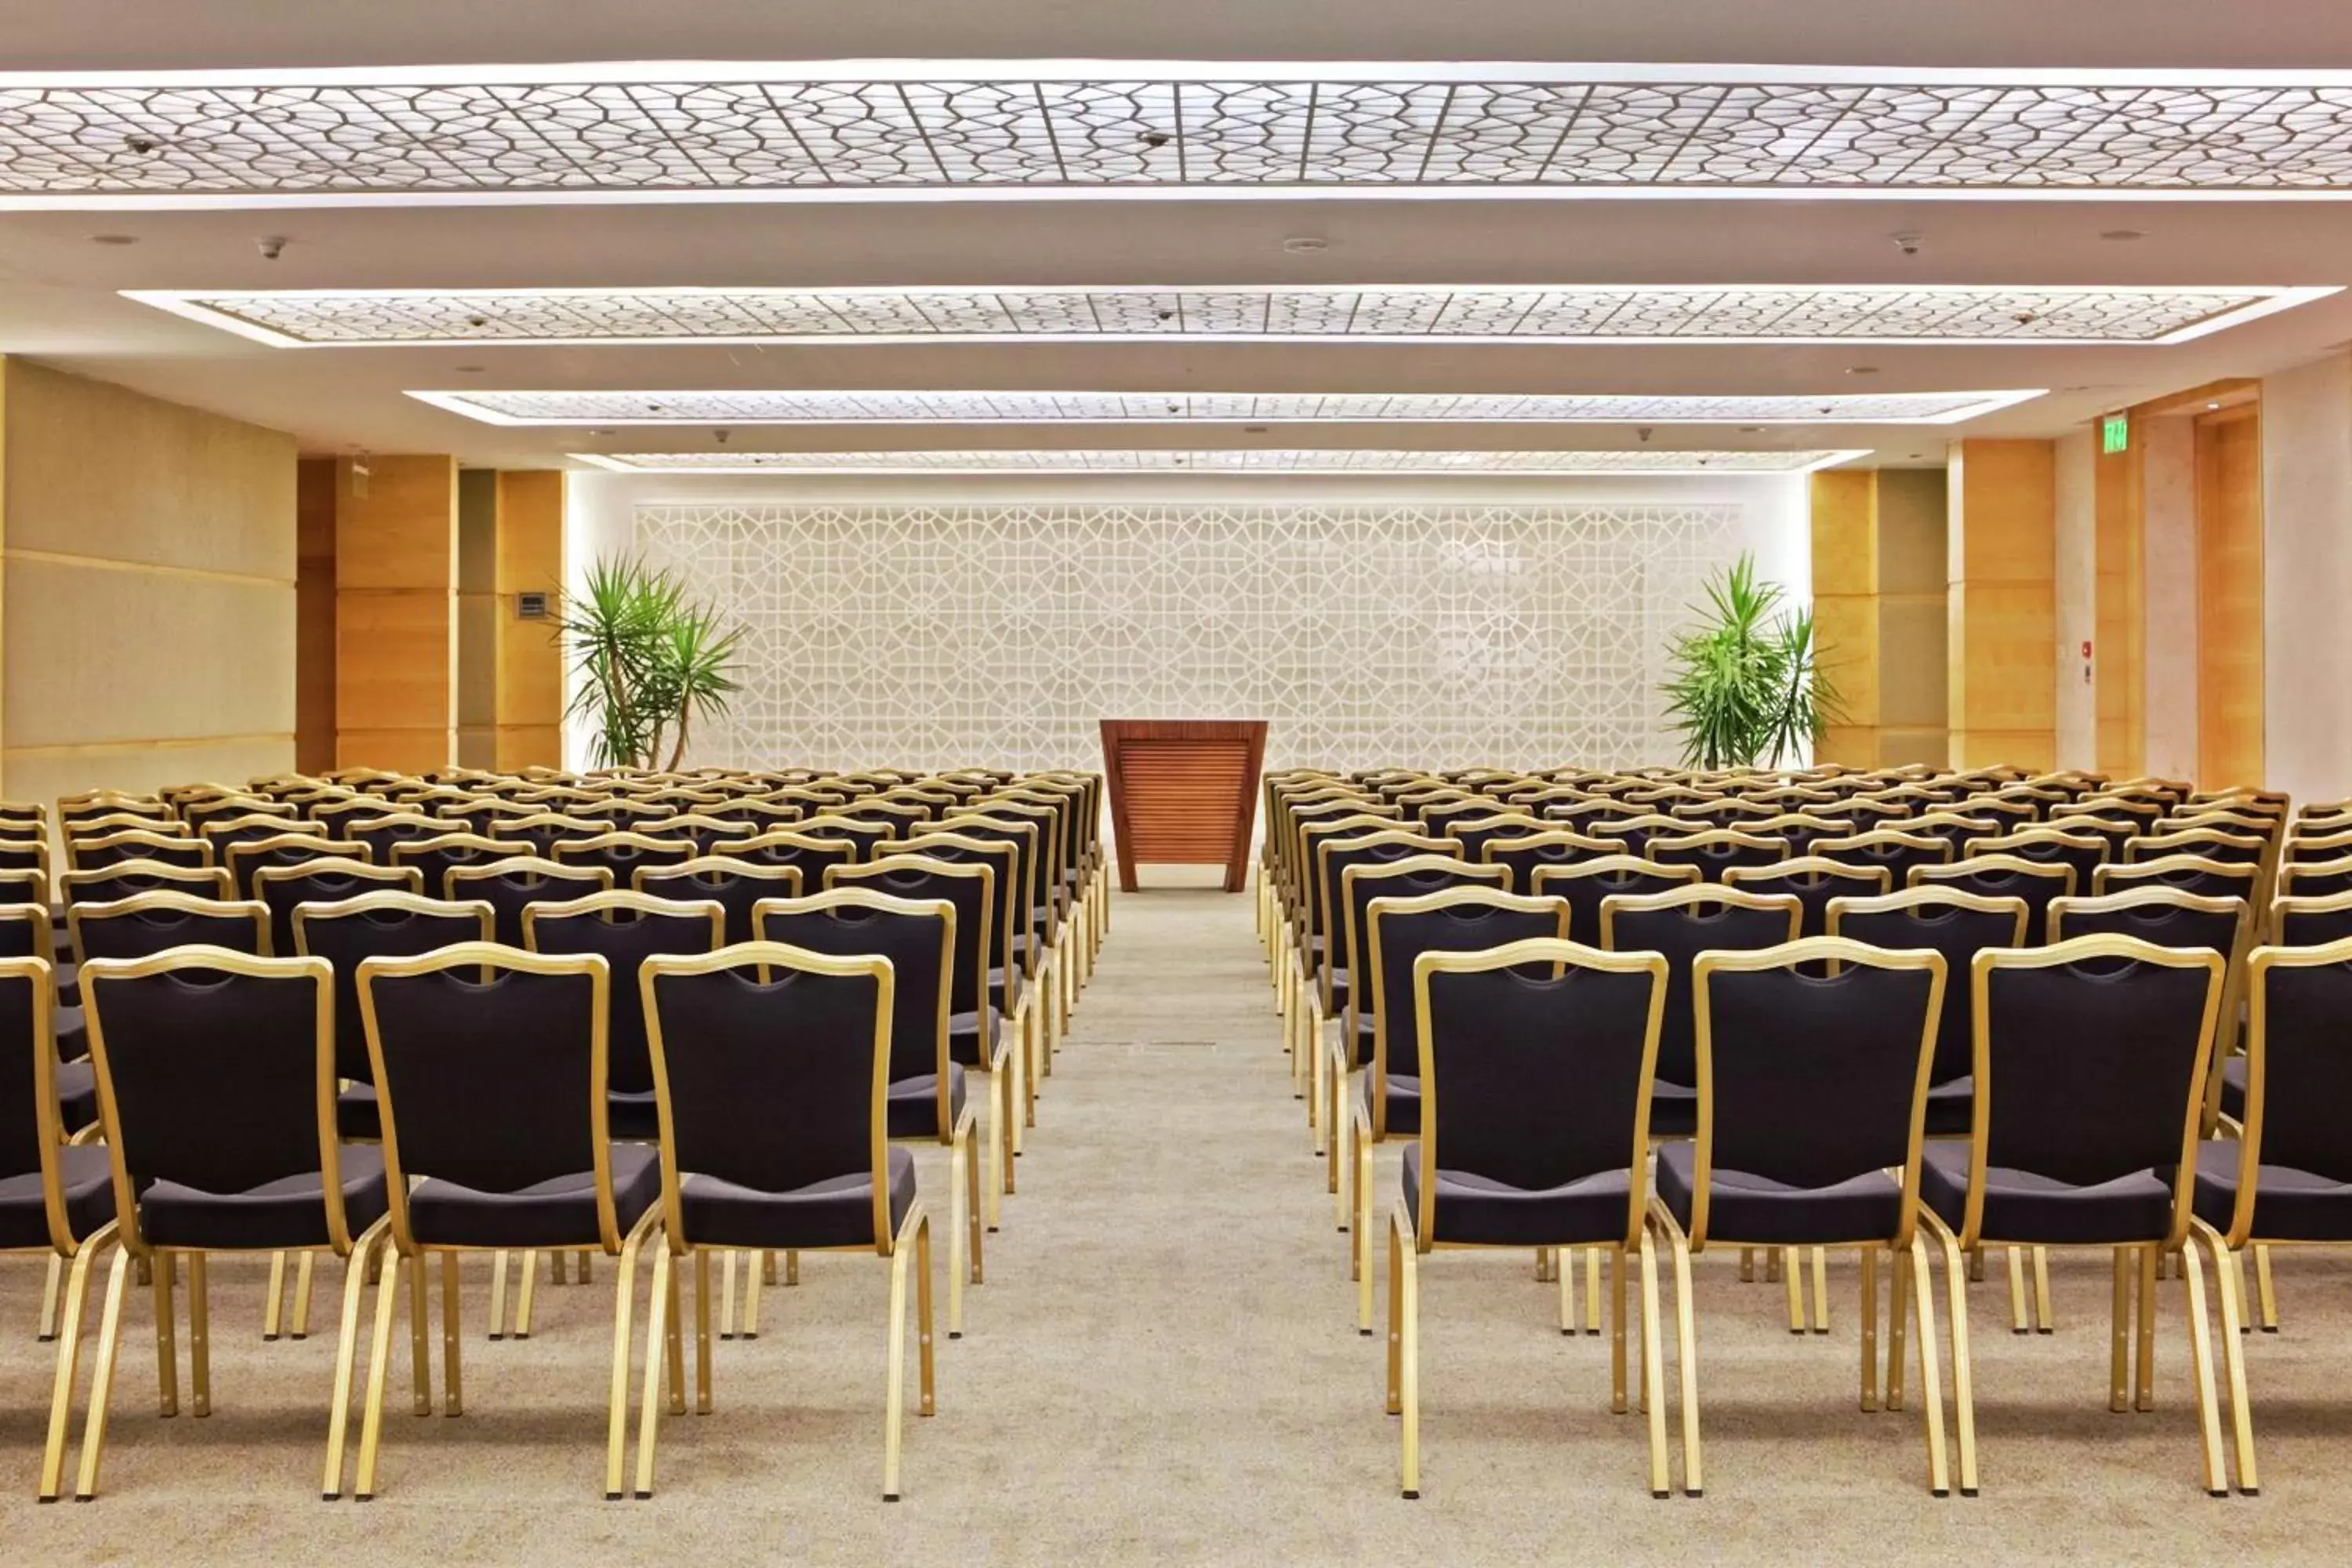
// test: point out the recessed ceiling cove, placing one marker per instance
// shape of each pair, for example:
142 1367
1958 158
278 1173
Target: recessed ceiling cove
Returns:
965 129
767 407
1628 314
1244 460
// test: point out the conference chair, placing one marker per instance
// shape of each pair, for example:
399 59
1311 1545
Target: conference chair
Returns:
245 857
2090 1060
1812 1091
1013 980
2299 920
1535 1070
1586 885
927 1101
2283 1178
433 857
1398 929
125 878
736 885
771 1065
862 833
146 924
490 1069
57 1196
1716 852
283 890
2006 876
2185 874
382 835
510 887
1898 854
1329 979
1814 881
215 1083
540 832
99 850
2083 853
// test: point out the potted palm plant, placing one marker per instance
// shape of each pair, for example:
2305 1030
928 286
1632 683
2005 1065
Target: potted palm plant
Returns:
1747 686
648 660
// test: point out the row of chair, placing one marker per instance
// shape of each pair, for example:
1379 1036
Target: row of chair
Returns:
1352 962
914 962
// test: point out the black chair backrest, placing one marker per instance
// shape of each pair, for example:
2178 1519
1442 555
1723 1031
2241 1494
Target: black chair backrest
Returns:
2089 1070
2158 915
1398 930
812 857
433 857
133 876
2311 922
921 879
1938 919
209 1065
282 888
490 1084
1525 853
624 854
1590 884
140 844
776 1084
377 925
2306 1070
28 1117
510 887
1814 1078
1715 853
1535 1080
625 930
1898 855
1682 933
1997 877
1414 878
917 938
156 923
736 887
1812 882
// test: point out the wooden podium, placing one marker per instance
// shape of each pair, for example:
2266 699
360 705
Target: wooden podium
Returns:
1184 792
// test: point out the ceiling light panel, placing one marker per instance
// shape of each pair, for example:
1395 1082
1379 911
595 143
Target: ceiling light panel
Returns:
900 129
767 407
1737 313
1294 460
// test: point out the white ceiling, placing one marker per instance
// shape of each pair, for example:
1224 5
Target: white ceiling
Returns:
58 298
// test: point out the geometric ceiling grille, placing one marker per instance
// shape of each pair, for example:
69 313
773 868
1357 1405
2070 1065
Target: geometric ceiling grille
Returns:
1252 460
975 128
772 407
1598 314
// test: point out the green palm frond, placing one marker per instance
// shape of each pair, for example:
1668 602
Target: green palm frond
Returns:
1745 686
648 660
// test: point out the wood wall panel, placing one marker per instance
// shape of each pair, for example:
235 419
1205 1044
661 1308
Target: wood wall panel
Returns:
396 613
2118 656
314 616
2001 605
1845 609
2229 599
147 589
529 676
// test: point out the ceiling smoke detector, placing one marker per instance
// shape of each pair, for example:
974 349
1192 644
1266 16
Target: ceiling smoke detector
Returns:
1304 244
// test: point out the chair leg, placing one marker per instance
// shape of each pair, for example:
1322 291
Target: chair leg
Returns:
1653 1370
976 1231
2200 1355
1617 1281
167 1357
2018 1321
101 1383
524 1291
453 1376
649 1401
2267 1298
957 1158
49 1323
420 1336
1335 1151
346 1354
1404 1266
1792 1274
2119 1335
1686 1345
755 1281
274 1300
2230 1285
387 1307
1593 1290
1869 1266
1820 1289
1964 1398
624 1295
894 1393
2043 1322
2144 1396
200 1343
702 1330
305 1267
1931 1393
727 1294
1564 1274
68 1329
1898 1329
1359 1240
926 1349
499 1293
996 1166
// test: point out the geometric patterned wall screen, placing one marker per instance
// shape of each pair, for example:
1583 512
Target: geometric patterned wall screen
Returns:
997 635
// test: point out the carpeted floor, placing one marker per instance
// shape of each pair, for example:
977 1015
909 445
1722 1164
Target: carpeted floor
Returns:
1163 1368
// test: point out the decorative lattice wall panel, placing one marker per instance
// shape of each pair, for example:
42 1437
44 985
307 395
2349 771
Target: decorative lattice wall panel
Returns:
1442 634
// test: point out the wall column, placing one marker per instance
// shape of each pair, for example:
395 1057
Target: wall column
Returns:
2002 602
395 612
530 698
1845 609
2307 578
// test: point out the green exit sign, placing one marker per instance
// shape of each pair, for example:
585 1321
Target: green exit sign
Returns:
2115 433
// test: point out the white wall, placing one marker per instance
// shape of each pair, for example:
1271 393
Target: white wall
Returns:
2169 594
2307 579
933 623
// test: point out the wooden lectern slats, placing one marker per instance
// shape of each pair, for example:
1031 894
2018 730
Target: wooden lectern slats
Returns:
1184 792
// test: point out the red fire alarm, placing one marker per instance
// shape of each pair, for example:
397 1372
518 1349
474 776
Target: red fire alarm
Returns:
2086 649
